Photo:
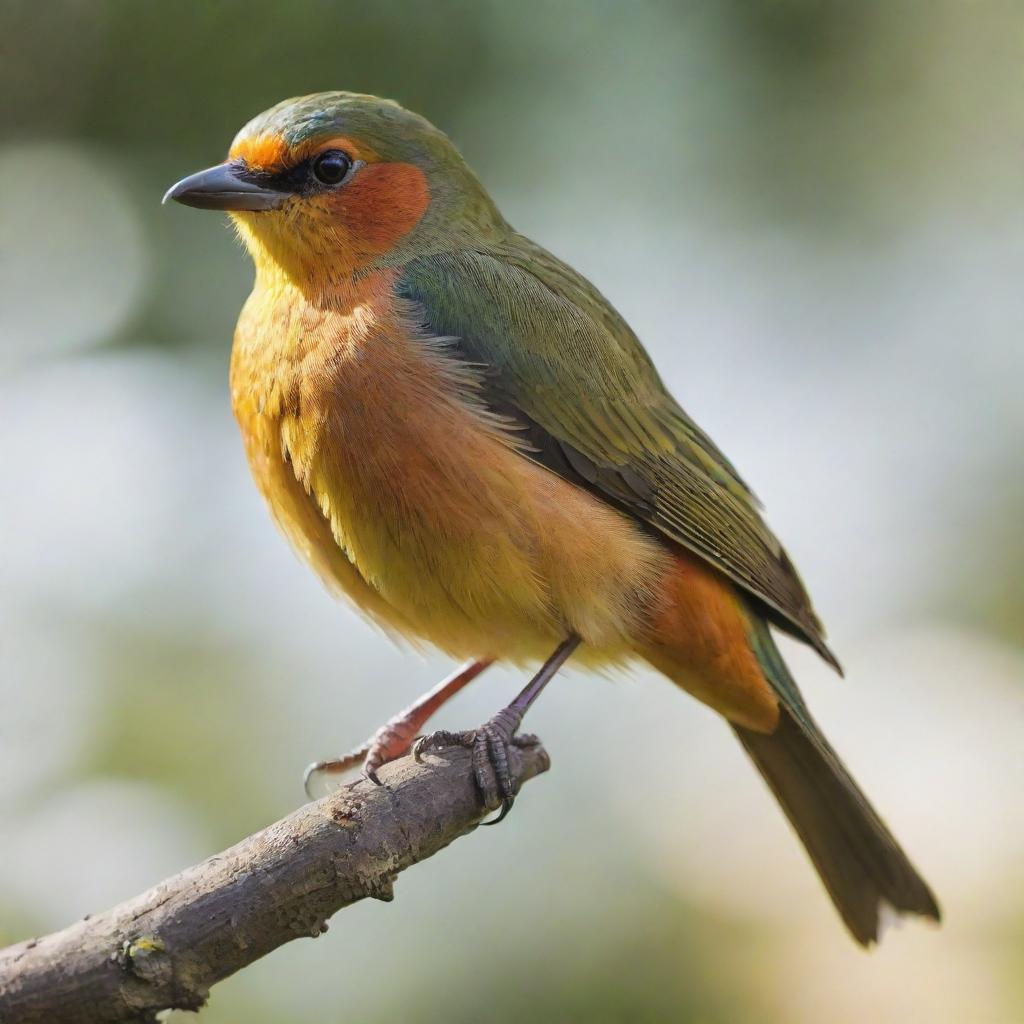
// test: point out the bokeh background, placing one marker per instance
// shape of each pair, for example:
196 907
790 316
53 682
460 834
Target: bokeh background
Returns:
813 214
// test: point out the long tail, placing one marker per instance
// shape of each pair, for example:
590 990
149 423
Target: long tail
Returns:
858 858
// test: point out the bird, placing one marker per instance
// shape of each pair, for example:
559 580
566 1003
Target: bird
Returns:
461 435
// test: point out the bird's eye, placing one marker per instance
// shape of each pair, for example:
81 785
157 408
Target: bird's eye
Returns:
331 167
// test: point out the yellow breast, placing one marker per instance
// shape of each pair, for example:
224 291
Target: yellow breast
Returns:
387 474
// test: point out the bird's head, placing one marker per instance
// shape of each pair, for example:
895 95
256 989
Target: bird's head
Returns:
326 186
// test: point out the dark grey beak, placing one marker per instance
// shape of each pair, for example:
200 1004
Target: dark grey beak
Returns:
225 187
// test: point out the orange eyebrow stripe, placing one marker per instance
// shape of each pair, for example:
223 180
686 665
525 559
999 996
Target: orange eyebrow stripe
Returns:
272 152
356 150
267 152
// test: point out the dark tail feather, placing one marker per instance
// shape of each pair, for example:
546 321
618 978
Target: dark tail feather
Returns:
857 857
859 860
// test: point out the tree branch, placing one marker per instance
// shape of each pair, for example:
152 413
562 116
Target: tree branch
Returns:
166 948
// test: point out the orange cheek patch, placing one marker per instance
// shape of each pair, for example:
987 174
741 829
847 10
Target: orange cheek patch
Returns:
381 205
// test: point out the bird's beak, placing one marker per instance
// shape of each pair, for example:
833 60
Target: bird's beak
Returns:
225 187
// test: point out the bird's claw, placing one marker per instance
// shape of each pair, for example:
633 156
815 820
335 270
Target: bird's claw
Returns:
439 740
334 766
388 743
489 745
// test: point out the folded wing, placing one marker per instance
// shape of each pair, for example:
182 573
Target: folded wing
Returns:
563 368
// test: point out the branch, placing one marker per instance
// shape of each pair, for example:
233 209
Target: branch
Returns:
166 948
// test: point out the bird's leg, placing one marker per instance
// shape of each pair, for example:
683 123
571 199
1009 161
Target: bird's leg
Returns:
395 736
490 743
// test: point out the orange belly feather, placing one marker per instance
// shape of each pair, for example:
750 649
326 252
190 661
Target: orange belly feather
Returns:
407 496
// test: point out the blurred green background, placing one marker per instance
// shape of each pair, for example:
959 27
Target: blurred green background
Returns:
812 213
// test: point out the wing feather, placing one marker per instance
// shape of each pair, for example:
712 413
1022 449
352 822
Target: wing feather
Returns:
562 365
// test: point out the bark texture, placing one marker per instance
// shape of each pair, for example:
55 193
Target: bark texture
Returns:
168 946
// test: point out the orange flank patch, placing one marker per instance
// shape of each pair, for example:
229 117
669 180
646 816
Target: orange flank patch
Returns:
381 205
698 638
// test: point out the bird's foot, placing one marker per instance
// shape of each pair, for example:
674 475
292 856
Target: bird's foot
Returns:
390 742
490 744
394 738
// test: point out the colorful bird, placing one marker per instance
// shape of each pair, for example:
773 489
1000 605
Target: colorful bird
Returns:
461 434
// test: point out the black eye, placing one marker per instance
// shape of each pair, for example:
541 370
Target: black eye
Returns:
329 168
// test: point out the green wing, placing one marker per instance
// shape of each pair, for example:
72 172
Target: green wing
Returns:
562 364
